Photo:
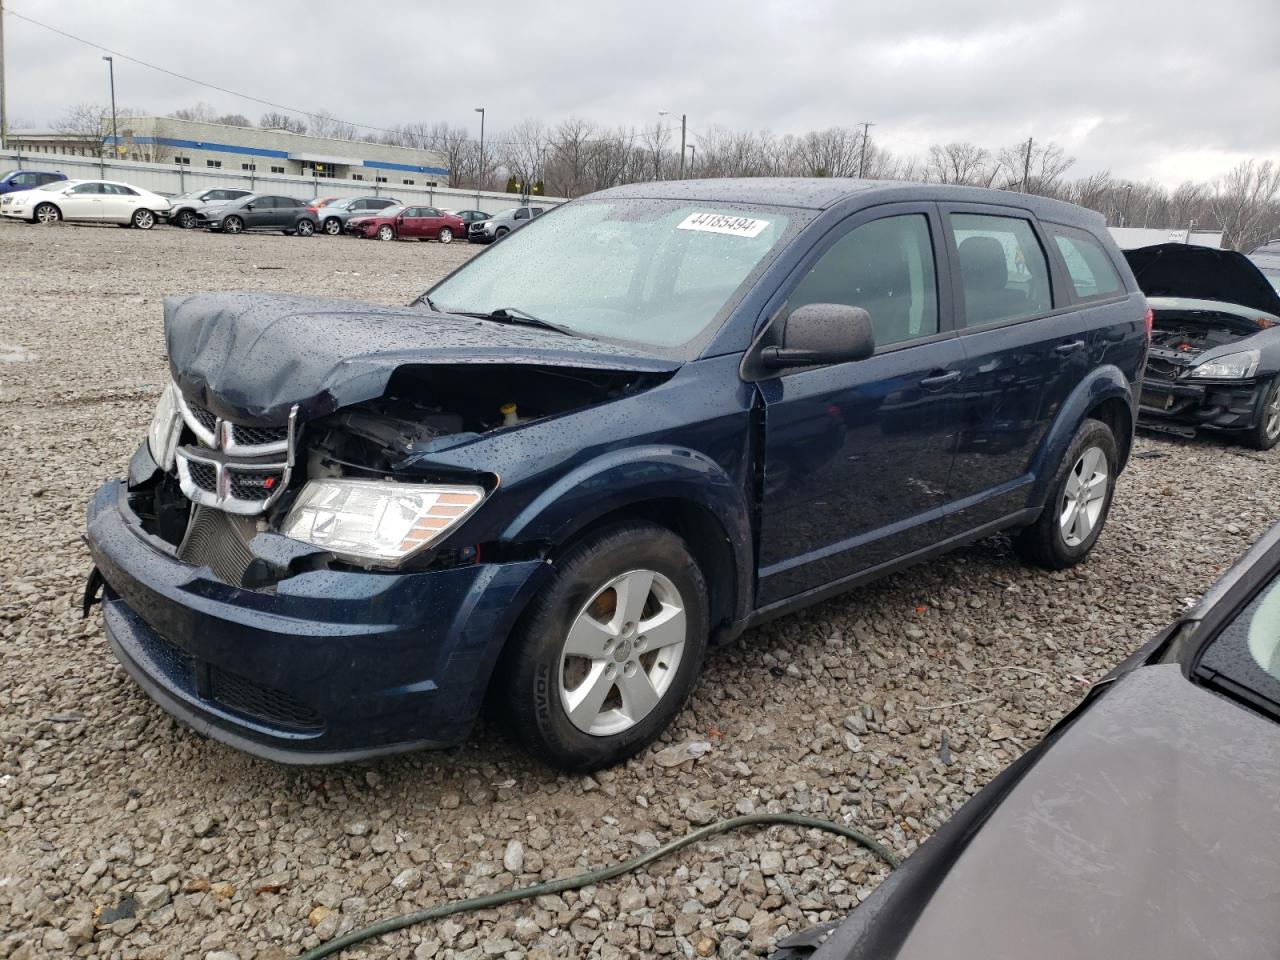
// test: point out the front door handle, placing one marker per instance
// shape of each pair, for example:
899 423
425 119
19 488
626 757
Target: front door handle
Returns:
1063 349
936 381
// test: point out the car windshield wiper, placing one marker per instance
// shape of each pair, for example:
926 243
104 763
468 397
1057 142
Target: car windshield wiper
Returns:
518 316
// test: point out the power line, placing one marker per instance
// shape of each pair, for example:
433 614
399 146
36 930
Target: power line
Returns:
260 100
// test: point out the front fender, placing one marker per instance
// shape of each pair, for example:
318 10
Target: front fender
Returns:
1104 383
636 475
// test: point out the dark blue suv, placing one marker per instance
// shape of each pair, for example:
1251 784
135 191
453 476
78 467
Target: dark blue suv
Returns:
16 180
654 417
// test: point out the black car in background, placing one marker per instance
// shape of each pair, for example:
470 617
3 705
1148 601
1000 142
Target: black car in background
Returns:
1142 826
1215 345
261 212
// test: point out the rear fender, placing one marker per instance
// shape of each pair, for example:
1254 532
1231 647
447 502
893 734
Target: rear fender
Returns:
1103 383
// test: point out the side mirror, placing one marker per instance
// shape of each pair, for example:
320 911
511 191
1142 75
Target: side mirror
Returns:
822 333
248 206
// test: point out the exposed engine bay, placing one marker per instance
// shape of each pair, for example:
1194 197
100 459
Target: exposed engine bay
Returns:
221 490
1190 337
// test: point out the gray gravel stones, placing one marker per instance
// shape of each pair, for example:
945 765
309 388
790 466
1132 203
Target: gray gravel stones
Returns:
111 811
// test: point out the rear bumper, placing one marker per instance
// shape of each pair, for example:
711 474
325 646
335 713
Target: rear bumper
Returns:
329 666
1183 407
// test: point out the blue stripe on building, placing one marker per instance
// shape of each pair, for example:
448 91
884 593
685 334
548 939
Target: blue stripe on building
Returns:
274 154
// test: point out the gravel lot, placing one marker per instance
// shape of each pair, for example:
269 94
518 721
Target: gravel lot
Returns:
886 708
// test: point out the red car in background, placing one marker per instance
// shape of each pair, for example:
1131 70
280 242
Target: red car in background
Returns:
409 223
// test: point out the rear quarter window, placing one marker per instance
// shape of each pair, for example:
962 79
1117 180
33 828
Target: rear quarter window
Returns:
1093 275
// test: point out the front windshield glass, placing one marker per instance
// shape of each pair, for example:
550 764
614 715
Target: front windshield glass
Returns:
1272 274
57 184
1247 650
654 272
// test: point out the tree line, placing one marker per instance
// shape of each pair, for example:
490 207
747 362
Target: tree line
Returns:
578 156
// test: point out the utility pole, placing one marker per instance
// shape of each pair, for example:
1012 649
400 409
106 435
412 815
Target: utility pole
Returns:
1026 167
4 107
862 160
693 156
480 176
683 127
115 138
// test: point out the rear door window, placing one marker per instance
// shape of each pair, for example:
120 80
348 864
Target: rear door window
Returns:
1093 275
886 267
1003 271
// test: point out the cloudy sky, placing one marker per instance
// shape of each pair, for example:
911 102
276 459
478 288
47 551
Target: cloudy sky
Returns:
1162 89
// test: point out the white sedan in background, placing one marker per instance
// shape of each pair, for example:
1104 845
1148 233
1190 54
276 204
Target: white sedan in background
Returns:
92 201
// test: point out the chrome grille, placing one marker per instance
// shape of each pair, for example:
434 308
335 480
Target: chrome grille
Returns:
238 438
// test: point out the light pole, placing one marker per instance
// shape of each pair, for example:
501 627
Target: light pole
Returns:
693 156
115 140
480 177
683 124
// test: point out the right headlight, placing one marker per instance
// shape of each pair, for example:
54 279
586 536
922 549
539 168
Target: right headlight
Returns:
166 427
1232 366
378 522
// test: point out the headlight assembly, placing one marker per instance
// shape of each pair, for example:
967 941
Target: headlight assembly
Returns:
377 522
1232 366
166 427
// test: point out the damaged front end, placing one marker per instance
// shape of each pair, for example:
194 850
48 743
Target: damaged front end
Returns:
1203 369
294 562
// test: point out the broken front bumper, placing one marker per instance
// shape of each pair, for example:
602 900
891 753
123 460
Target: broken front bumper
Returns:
324 667
1183 406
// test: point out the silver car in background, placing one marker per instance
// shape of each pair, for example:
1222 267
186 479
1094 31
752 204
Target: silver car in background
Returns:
500 224
333 217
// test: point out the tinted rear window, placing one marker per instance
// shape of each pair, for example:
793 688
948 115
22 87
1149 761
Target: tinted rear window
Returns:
1093 275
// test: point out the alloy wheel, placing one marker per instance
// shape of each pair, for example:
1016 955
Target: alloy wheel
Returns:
186 220
48 213
1083 497
385 233
622 652
232 225
1272 414
144 219
306 228
332 227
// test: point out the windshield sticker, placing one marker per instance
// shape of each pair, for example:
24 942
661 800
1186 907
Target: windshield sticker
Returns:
719 223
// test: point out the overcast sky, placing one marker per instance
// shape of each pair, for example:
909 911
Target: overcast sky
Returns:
1163 89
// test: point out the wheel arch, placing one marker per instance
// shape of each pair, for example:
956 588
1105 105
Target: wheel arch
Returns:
1106 395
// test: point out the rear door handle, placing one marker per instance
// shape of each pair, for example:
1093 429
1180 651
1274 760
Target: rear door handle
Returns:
937 381
1063 349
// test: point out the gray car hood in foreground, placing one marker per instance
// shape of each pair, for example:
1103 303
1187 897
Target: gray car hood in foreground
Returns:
250 357
1149 828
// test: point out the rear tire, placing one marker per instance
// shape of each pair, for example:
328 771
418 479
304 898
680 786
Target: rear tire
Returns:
305 228
143 219
1266 434
1078 503
445 235
618 637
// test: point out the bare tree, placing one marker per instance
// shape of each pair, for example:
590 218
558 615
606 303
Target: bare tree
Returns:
1245 202
522 151
282 121
655 138
1034 167
325 124
961 162
827 153
571 144
83 120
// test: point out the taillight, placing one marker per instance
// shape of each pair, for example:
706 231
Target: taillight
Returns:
313 209
1150 321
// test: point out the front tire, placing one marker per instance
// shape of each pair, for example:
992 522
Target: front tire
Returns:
1078 504
46 213
608 652
386 233
445 235
232 225
1267 433
500 233
143 219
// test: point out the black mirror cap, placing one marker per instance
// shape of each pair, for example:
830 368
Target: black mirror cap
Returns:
822 333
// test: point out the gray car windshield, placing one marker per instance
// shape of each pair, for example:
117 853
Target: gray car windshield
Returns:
1247 651
652 272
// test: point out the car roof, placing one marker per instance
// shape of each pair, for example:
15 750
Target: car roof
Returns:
819 193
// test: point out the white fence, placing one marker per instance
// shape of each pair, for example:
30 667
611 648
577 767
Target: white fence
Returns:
173 178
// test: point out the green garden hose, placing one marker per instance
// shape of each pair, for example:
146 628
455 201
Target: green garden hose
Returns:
596 876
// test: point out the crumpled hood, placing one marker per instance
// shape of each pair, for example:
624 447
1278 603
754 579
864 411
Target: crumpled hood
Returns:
1202 273
250 357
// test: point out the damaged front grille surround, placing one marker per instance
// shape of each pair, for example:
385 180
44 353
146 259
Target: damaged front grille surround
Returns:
227 472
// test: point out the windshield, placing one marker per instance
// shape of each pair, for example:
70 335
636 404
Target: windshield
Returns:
58 184
505 214
1247 650
8 173
1273 275
387 212
654 272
